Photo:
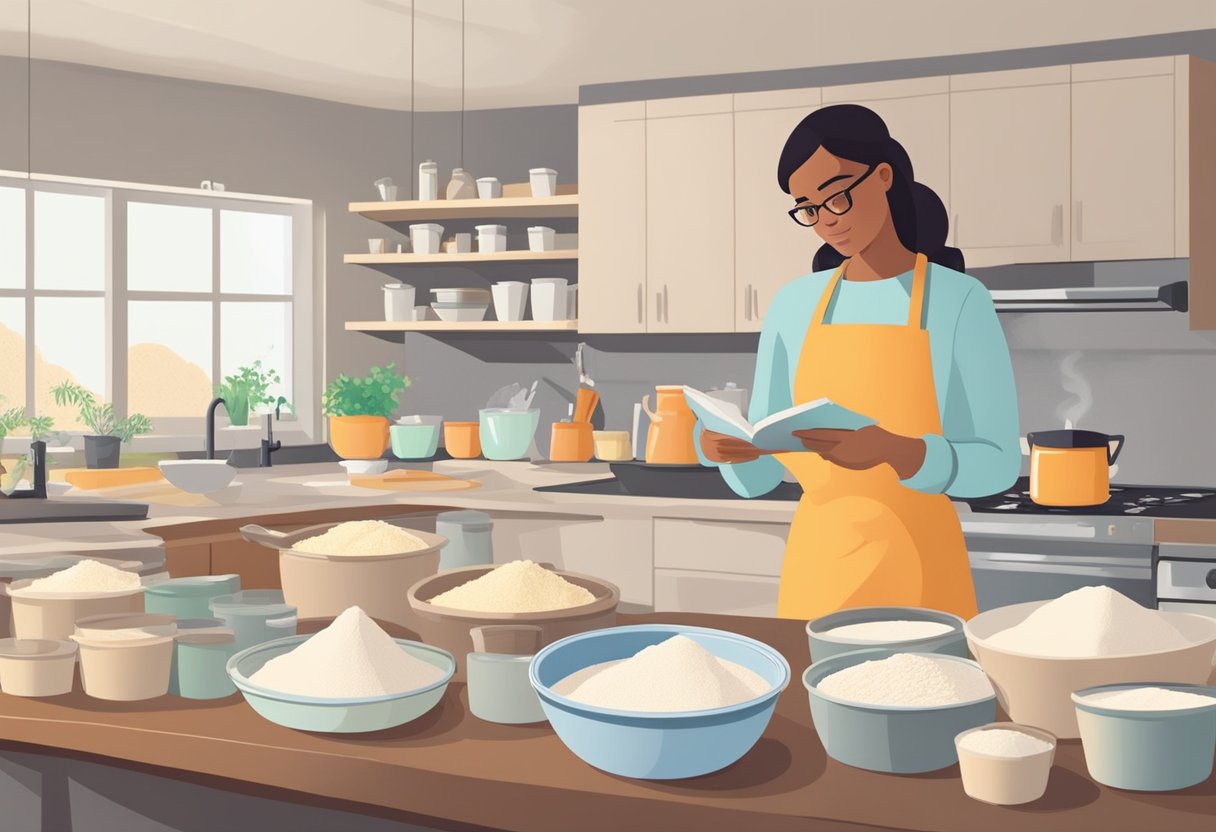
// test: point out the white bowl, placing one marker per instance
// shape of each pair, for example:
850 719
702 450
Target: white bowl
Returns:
460 312
367 467
461 295
198 476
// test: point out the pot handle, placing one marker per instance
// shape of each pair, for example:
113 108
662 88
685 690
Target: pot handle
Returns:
1030 441
1111 456
508 639
654 417
263 536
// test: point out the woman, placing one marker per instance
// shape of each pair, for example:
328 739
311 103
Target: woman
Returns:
886 326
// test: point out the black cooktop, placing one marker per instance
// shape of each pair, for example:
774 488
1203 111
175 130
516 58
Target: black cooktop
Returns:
1125 500
612 487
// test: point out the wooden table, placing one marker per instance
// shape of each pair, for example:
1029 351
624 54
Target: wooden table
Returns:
457 771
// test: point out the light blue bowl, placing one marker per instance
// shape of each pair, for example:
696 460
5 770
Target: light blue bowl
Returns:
414 441
189 597
890 738
255 616
338 716
656 746
507 434
824 645
1150 751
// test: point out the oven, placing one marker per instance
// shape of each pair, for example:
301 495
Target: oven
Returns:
1186 577
1020 558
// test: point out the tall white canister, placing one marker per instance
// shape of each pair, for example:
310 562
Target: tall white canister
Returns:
469 536
398 301
428 180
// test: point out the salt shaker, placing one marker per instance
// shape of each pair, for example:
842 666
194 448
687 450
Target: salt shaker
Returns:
428 180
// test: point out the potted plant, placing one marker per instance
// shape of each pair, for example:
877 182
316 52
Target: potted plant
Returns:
359 408
102 447
247 389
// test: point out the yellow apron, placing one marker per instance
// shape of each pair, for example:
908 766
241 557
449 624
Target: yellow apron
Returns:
861 538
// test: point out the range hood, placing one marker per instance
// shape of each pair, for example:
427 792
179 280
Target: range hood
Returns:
1171 297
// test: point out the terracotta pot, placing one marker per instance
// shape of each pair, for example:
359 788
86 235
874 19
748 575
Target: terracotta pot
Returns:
358 437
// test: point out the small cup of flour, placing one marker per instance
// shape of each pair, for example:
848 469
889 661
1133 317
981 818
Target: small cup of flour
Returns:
1005 763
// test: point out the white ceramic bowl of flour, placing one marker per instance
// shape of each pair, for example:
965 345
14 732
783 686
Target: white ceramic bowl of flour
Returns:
1036 689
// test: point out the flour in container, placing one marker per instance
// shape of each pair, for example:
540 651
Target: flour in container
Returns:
1003 742
361 537
84 577
674 675
889 631
349 659
1091 621
1149 699
908 680
515 587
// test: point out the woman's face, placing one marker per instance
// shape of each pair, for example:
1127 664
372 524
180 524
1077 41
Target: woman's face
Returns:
824 176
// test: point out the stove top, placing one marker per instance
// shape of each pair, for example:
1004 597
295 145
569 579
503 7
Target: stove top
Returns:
1130 500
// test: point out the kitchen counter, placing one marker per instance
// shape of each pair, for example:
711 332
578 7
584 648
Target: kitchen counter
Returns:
449 769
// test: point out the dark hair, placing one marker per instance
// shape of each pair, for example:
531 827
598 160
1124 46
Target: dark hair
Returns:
859 134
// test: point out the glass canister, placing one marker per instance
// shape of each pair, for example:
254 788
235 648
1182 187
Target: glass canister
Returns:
470 538
255 616
498 685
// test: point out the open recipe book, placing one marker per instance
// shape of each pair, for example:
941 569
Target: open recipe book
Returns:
775 432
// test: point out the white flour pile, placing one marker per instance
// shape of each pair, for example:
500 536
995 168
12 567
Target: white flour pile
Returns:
361 537
1091 621
675 675
1150 699
518 586
908 680
888 631
84 577
350 658
1002 742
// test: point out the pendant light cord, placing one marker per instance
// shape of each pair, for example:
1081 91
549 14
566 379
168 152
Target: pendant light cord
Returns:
462 39
413 111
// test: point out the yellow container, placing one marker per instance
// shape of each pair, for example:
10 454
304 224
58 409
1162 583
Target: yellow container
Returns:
571 442
613 445
125 670
358 437
462 440
1005 781
36 667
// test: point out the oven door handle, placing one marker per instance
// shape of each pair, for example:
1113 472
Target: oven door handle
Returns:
1118 572
1058 560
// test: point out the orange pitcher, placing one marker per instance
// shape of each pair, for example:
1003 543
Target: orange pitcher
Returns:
670 438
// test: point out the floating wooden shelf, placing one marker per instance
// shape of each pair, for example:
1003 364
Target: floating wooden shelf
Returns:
467 326
524 207
473 257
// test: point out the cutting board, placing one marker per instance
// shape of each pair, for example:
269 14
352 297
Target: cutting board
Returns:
162 492
89 479
411 480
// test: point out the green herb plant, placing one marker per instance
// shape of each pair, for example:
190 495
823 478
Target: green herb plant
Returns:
100 418
246 389
374 394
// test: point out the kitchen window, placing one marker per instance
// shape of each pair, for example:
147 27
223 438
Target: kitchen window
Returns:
148 296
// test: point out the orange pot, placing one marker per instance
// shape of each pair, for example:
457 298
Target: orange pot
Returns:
571 442
462 439
1071 467
672 422
358 437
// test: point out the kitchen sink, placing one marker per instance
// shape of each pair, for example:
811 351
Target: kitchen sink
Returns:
76 510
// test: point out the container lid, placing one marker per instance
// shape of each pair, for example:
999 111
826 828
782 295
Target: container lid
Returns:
427 226
487 179
559 281
198 624
544 171
1070 439
539 228
134 621
17 567
197 586
491 229
395 286
214 637
35 648
468 291
429 163
470 519
252 602
120 643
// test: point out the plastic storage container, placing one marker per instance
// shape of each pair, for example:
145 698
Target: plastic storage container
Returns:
488 187
200 660
612 445
510 299
491 238
824 644
36 667
549 298
571 442
507 434
462 440
53 615
1152 751
1005 781
428 180
398 301
543 181
541 238
189 597
255 616
125 670
469 535
414 441
498 685
127 625
425 237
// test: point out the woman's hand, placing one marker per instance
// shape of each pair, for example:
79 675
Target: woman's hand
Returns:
866 448
718 447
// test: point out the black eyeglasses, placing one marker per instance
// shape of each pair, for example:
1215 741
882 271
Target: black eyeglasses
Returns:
839 203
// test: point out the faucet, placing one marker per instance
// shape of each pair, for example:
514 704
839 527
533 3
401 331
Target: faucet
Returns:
38 455
209 439
269 444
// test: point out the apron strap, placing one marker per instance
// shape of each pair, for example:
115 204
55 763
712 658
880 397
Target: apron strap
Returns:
825 299
916 303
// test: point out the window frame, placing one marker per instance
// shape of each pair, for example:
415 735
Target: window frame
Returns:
179 433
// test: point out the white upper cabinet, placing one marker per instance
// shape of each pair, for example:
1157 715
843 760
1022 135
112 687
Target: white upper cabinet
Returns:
770 248
690 228
612 217
1010 166
1123 160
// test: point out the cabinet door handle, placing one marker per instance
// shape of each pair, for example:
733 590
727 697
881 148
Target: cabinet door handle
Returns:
747 302
641 304
957 242
756 304
1076 220
658 307
1057 225
666 306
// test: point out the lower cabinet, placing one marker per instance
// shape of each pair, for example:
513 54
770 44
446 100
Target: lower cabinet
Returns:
681 590
713 566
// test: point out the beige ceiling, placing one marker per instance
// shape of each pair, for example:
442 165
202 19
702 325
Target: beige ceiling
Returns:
528 52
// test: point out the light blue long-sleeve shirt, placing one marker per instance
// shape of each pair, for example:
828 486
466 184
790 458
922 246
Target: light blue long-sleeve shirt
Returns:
977 452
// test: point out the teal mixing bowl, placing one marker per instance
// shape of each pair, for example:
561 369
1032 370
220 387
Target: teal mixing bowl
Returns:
344 716
1153 751
890 738
414 441
507 434
189 597
656 746
824 644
